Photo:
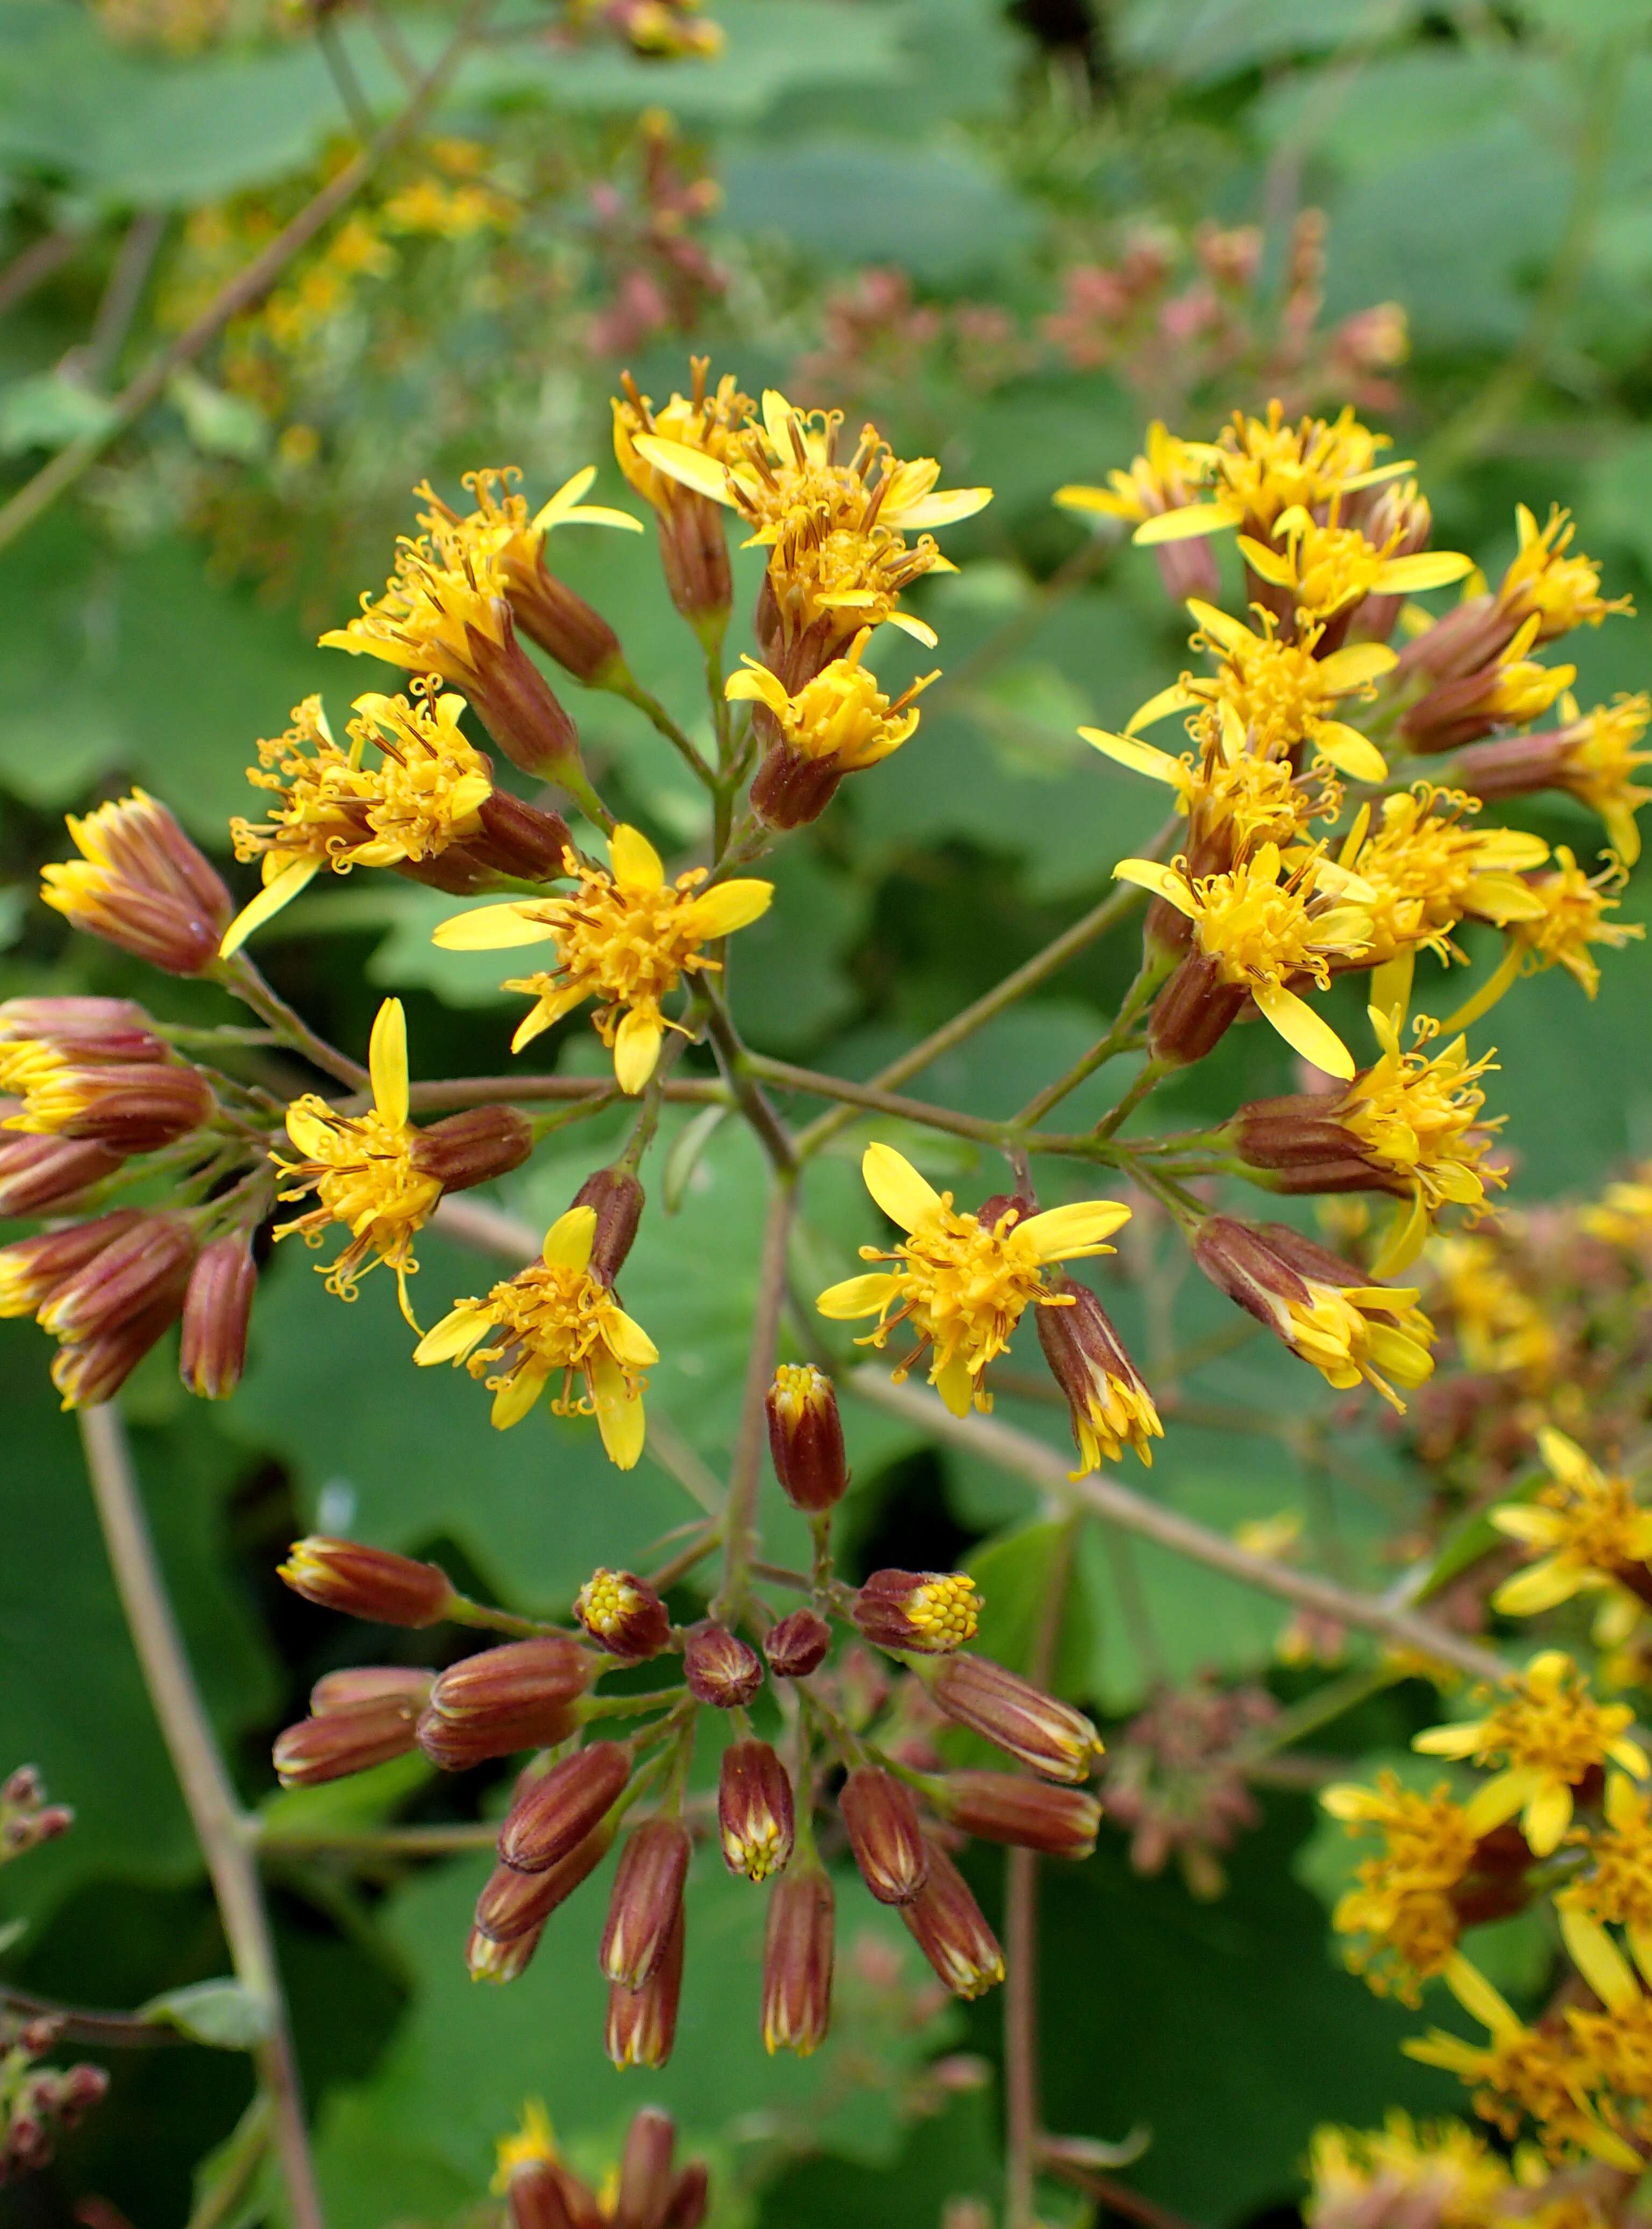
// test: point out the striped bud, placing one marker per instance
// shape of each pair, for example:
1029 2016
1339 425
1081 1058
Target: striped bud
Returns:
806 1437
1110 1407
521 1675
457 1744
31 1270
884 1834
45 1175
86 1371
625 1613
617 1198
142 1268
797 1962
719 1667
140 882
930 1612
1010 1712
472 1149
367 1583
513 1904
129 1107
643 2023
646 1900
361 1684
554 1814
798 1644
217 1308
83 1029
646 2181
1002 1806
491 1960
949 1928
342 1742
755 1817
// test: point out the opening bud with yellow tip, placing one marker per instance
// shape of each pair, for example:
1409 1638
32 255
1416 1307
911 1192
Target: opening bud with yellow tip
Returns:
1013 1714
217 1310
1003 1807
345 1740
884 1834
357 1684
949 1927
513 1904
643 2023
721 1668
1112 1407
806 1437
797 1952
374 1583
647 1901
930 1612
140 882
40 1176
756 1818
624 1613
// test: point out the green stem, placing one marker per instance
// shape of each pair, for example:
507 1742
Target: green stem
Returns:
625 684
739 1070
1152 1074
240 976
1149 977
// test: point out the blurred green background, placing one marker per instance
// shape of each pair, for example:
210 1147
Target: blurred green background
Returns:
1012 236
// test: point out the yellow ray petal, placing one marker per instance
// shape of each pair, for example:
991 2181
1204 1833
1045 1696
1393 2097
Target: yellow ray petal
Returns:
1224 630
1546 1817
1405 1241
546 1012
1390 984
777 414
516 1398
1564 1458
1477 1996
636 1049
269 902
569 1240
1163 881
1140 758
1430 568
455 1334
919 630
1185 523
954 1385
692 468
1077 497
1269 565
631 1343
755 683
904 1197
387 1061
619 1413
1356 664
728 906
1175 698
635 863
1304 1030
491 928
1064 1234
1349 751
865 1295
943 508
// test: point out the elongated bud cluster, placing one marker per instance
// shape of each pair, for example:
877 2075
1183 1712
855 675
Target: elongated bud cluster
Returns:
140 882
374 1583
798 1644
624 1613
756 1818
720 1669
524 1695
1007 1711
797 1948
42 1176
367 1723
514 1906
94 1072
616 1197
217 1309
1112 1407
949 1928
641 2025
554 1814
928 1612
108 1289
647 1901
806 1437
884 1834
471 1148
1002 1806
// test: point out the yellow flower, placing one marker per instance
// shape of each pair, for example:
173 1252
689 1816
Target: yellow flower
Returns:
626 937
1281 695
1520 690
337 810
1325 568
1550 1734
838 579
1574 907
1402 1907
555 1320
1622 1216
1428 869
362 1170
527 2146
1418 1115
436 601
1498 1325
963 1284
1263 467
841 716
1262 925
1166 478
1587 1525
1547 584
1439 2172
499 532
1228 788
1616 1886
1599 760
706 422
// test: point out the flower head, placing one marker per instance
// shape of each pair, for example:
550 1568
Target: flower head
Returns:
140 882
1419 1116
707 421
1546 582
1616 1886
1573 917
1428 868
841 718
1262 467
527 2146
963 1283
1231 797
626 937
554 1321
1438 2172
1586 1526
1110 1406
1498 1325
1168 476
1401 1911
1326 568
1600 759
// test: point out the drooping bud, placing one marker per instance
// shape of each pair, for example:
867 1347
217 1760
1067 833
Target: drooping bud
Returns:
797 1962
217 1307
344 1741
643 2023
31 1270
617 1198
563 625
930 1612
949 1928
1002 1806
884 1834
1007 1711
646 1901
646 2181
472 1149
142 1268
798 1644
721 1668
516 838
358 1684
806 1437
1110 1407
1194 1013
513 1904
40 1176
755 1815
140 882
487 1960
367 1583
624 1613
129 1106
554 1814
86 1371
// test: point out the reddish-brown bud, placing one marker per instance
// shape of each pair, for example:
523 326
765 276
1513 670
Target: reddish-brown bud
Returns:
217 1308
84 1030
930 1612
85 1371
45 1175
1302 1138
1002 1806
625 1613
513 1904
515 702
798 1644
472 1149
359 1684
643 2023
690 2199
31 1270
617 1199
142 1268
555 1814
790 788
344 1741
367 1583
457 1744
1051 1737
949 1928
521 1675
755 1815
719 1667
489 1960
1111 1406
1194 1013
519 839
806 1437
646 1900
646 2181
884 1834
142 884
797 1962
130 1108
563 625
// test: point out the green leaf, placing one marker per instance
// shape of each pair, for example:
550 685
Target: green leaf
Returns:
225 2014
49 412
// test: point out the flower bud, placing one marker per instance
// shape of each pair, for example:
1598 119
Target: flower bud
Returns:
521 1675
518 839
472 1149
513 1904
217 1306
884 1834
129 1106
690 2199
755 1816
563 625
457 1744
487 1960
1051 1737
927 1612
948 1926
624 1613
1301 1140
86 1371
367 1583
344 1741
616 1197
40 1176
555 1814
1112 1407
361 1684
140 882
797 1962
1194 1013
720 1668
515 702
798 1644
142 1268
1002 1806
646 2183
646 1900
806 1437
86 1029
643 2023
31 1270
